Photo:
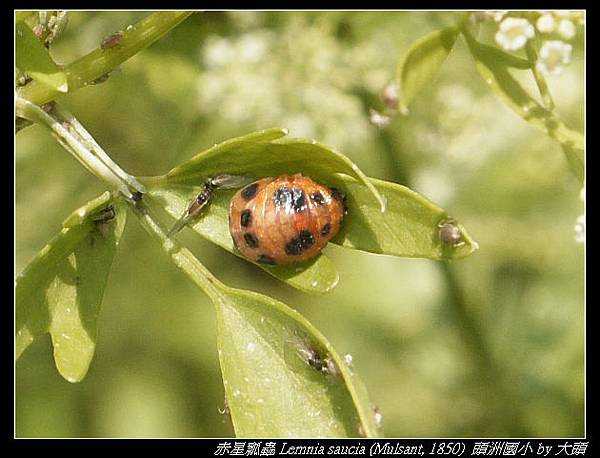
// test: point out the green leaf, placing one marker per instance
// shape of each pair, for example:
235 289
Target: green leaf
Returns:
33 58
264 153
61 290
504 58
498 77
271 389
422 62
317 275
410 226
20 16
99 62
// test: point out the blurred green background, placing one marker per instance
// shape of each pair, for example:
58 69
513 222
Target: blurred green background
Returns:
488 346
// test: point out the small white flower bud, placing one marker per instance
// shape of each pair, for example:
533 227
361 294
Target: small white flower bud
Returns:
553 56
566 29
546 23
513 33
391 96
378 119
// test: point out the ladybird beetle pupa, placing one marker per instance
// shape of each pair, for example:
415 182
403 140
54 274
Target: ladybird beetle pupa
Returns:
285 220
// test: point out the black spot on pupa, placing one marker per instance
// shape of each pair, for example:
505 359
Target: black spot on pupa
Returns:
340 197
283 197
293 247
251 240
326 229
246 218
298 200
290 198
306 239
264 259
318 198
249 191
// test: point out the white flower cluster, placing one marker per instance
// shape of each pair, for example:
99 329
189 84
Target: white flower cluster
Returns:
560 22
514 32
260 78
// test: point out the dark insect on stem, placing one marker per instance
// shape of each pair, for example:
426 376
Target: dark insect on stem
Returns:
315 358
101 79
105 215
137 196
102 219
204 197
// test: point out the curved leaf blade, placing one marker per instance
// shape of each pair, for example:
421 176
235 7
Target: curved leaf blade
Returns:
318 275
264 153
33 58
408 228
271 390
508 89
422 62
61 290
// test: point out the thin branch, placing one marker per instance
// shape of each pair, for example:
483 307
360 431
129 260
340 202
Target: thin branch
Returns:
99 62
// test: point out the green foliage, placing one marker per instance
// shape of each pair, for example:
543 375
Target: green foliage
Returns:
61 290
33 58
264 348
407 227
490 346
410 226
100 62
496 74
423 61
271 388
269 392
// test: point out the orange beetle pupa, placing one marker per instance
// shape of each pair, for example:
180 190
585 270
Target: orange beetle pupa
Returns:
284 220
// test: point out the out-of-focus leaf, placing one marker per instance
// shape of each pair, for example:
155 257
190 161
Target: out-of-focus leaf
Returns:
61 290
317 275
33 58
271 388
422 62
409 227
20 16
498 77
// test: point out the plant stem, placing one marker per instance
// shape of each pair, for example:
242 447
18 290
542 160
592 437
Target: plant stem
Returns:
101 61
75 139
539 78
180 256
